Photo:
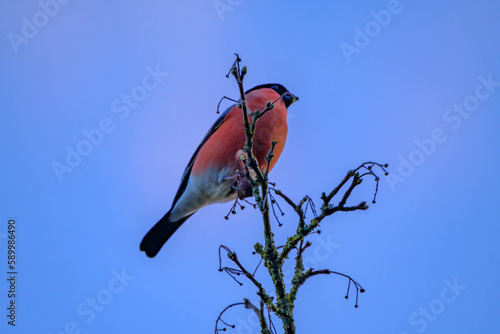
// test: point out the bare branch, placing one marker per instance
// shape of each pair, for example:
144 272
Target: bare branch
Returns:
260 315
222 99
220 318
299 280
273 204
269 157
233 257
251 179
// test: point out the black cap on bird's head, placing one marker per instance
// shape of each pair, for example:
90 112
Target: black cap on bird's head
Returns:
288 98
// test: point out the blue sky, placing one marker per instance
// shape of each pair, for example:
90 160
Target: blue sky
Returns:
415 84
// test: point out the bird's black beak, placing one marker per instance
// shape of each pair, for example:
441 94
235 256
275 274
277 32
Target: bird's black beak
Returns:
289 99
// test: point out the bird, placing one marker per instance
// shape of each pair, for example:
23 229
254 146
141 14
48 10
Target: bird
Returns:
211 172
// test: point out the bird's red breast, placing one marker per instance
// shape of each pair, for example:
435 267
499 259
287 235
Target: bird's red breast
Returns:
220 149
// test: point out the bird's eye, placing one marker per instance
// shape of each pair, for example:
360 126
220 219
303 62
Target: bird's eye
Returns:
288 99
275 88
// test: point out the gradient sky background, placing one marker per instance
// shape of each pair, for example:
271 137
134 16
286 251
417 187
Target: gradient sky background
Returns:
436 225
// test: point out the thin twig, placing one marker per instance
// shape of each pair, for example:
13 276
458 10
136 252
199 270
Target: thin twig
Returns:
222 99
220 318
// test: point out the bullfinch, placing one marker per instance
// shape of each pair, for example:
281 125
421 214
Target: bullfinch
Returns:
211 173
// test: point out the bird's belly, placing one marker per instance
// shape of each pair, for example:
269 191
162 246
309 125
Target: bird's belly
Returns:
214 186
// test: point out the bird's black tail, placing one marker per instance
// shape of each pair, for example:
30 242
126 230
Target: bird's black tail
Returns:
154 240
